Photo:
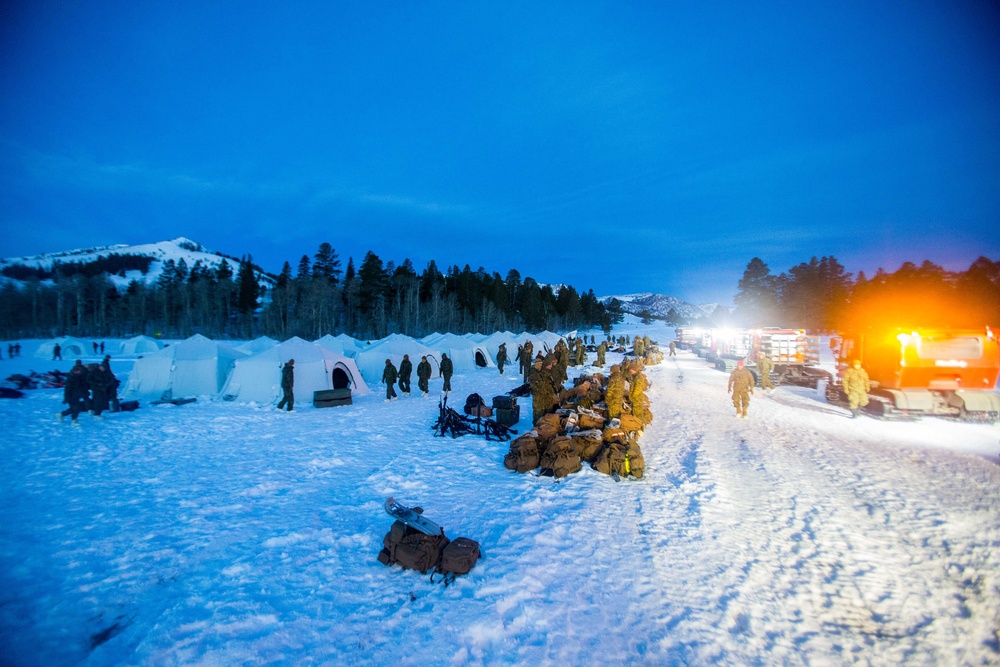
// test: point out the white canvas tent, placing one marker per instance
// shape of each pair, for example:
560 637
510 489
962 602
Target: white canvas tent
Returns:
492 343
466 355
70 348
258 378
196 366
341 344
139 345
257 345
371 360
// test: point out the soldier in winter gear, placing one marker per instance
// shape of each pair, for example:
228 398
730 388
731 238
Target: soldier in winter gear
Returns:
856 386
502 357
741 384
423 375
75 392
764 368
97 378
405 370
389 376
602 350
543 390
287 386
614 395
673 349
447 368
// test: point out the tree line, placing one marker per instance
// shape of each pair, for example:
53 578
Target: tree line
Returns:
820 295
318 297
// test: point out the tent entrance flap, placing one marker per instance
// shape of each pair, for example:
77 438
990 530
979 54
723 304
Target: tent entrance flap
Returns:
480 359
341 380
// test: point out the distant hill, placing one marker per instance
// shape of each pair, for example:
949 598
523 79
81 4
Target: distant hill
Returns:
659 305
150 257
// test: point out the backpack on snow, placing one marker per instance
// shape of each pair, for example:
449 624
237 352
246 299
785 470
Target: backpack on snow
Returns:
458 557
476 406
523 454
412 549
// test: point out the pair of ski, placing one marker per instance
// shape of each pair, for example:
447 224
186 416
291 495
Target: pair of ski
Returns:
411 517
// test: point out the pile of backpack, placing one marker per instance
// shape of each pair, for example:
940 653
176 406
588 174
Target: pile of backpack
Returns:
579 432
412 549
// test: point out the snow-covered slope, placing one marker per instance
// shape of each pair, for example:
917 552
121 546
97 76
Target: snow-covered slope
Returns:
222 533
659 305
178 249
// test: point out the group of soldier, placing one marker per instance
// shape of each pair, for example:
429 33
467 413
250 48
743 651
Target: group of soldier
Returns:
13 350
391 375
855 384
92 388
626 383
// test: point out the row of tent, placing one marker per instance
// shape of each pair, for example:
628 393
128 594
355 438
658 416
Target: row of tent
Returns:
250 372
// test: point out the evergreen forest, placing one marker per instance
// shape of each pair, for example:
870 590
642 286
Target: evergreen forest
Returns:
318 297
819 295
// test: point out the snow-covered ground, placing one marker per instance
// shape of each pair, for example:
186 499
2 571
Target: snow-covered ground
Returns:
219 533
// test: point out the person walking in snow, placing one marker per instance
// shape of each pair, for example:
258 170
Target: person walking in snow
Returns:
97 378
405 370
673 349
447 368
423 375
57 352
502 357
856 386
76 393
764 368
602 351
287 386
741 385
389 376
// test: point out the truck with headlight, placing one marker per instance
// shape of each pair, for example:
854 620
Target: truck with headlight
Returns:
925 371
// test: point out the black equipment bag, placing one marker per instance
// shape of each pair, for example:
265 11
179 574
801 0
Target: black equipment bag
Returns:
505 402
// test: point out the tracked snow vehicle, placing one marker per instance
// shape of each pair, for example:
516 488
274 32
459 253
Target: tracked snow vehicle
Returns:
942 372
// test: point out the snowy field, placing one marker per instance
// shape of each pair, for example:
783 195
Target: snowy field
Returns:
220 533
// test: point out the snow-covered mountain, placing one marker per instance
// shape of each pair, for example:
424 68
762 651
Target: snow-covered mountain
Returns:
178 249
659 305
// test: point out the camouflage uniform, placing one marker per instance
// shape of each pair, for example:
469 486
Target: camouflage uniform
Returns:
287 385
638 347
97 378
447 368
602 350
741 384
614 395
764 368
501 357
543 394
581 353
673 349
389 376
76 393
856 386
637 396
405 368
423 375
528 351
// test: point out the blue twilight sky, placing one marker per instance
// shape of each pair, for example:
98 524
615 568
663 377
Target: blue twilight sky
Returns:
616 146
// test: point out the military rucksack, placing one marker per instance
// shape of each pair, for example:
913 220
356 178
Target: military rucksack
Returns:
558 460
412 549
523 454
587 444
458 557
636 461
611 460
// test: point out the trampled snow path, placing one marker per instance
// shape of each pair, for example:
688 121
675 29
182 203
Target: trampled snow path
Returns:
219 533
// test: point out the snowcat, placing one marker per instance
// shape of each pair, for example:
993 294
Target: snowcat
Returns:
941 372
